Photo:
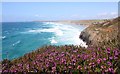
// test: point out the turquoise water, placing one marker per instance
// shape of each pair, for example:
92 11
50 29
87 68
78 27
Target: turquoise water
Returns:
19 38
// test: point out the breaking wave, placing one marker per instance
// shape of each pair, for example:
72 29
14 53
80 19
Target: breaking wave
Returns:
64 34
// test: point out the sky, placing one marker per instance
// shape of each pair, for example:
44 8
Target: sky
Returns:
33 11
59 0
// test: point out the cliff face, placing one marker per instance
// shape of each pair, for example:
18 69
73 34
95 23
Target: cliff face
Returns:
101 34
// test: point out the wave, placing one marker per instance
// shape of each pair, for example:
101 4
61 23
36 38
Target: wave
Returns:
2 37
55 30
64 34
52 23
16 43
53 41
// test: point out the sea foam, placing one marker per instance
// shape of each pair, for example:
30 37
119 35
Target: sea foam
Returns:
55 30
16 43
53 41
64 34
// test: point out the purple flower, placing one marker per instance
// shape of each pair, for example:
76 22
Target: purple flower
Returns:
85 67
74 51
110 58
115 57
19 65
93 63
109 63
108 49
110 69
98 48
106 70
92 58
5 71
104 59
98 61
78 56
27 66
47 65
116 53
54 68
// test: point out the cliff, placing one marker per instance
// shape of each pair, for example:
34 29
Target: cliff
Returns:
102 34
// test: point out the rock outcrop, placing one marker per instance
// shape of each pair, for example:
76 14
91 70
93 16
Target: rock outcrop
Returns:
101 34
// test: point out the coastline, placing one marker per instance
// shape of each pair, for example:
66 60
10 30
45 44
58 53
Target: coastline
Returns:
77 22
101 34
68 58
86 23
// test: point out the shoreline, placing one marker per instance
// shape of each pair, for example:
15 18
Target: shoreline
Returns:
67 59
101 34
77 22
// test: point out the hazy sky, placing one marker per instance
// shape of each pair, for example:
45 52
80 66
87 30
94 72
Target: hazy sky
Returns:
30 11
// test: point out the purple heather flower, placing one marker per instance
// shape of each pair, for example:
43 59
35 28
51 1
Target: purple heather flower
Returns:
109 63
19 65
98 61
98 48
28 66
104 59
116 53
67 53
92 58
110 58
0 71
57 58
115 57
62 52
53 68
75 51
47 65
108 52
109 69
106 70
74 60
108 49
63 60
93 65
78 56
34 63
15 71
85 67
5 71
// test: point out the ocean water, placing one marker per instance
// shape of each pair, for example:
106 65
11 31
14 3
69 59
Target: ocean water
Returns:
19 38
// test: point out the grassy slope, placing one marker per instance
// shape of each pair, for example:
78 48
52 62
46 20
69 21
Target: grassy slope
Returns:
66 59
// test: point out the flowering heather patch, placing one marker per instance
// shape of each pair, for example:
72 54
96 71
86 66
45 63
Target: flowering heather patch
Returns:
66 59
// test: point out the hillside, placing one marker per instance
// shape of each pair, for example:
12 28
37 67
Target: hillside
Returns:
102 34
66 59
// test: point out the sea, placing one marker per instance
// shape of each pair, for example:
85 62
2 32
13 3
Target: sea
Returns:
19 38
